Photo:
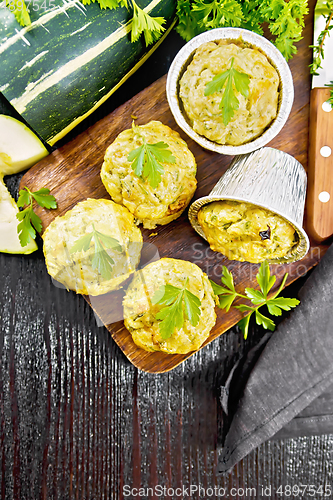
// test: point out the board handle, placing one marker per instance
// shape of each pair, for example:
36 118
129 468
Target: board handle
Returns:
319 203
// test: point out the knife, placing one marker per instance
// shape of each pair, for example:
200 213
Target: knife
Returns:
319 203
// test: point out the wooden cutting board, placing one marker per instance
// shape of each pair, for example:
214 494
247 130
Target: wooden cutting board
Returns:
72 173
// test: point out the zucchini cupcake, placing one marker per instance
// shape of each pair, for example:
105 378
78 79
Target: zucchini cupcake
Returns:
170 307
93 248
150 170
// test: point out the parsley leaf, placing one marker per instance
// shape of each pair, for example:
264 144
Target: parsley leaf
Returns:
171 317
25 229
227 279
264 278
147 160
218 290
82 244
226 295
188 20
30 222
229 102
244 325
217 13
142 23
286 23
20 11
101 260
24 197
226 301
259 298
44 199
172 314
255 296
274 306
267 323
192 307
151 27
285 18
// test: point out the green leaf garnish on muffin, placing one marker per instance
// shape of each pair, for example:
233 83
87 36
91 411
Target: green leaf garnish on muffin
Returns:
101 260
172 314
230 78
148 158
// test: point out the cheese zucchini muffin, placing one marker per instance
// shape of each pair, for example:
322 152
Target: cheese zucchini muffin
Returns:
150 205
255 113
246 232
93 248
140 308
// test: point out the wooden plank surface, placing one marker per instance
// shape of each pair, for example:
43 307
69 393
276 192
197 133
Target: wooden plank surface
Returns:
72 173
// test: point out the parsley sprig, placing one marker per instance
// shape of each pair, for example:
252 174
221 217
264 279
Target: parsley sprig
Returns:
259 298
197 16
285 18
318 48
101 260
326 10
20 11
147 159
229 102
177 303
143 23
30 222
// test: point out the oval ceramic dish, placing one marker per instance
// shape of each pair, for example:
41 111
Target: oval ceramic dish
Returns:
286 87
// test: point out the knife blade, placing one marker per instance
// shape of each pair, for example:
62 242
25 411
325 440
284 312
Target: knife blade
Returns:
319 203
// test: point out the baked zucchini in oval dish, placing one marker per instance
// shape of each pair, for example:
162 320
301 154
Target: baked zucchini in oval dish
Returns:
153 295
93 248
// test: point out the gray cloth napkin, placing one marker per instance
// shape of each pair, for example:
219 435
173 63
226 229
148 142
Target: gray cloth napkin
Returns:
284 373
315 419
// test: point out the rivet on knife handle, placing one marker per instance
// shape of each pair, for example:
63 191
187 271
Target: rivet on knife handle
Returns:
320 171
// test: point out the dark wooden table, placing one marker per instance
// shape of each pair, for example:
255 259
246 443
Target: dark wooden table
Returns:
77 420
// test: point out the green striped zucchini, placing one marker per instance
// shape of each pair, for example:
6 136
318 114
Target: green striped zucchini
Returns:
71 58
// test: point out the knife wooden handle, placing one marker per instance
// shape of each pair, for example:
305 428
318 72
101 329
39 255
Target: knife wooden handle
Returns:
320 172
